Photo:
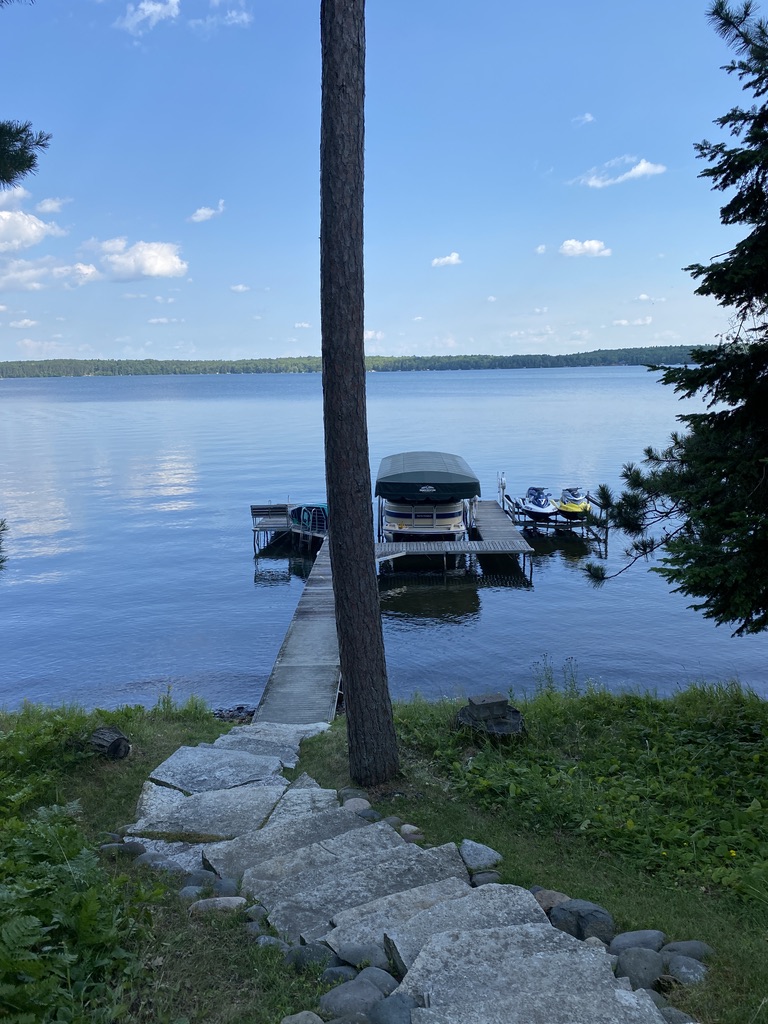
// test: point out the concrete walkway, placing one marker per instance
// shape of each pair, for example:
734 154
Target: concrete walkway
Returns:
465 955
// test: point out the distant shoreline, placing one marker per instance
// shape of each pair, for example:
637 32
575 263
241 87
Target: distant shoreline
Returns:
661 355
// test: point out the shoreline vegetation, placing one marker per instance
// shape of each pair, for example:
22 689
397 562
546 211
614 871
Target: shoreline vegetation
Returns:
659 355
656 808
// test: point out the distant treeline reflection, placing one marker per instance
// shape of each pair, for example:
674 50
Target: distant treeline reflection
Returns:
650 356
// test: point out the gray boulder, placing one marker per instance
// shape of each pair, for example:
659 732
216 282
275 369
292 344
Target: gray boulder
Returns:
686 970
690 947
582 919
381 979
478 857
395 1009
648 938
354 996
643 967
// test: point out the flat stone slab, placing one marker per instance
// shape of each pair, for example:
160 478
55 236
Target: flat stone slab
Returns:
199 769
222 813
232 859
188 856
234 740
368 922
307 910
525 974
485 907
338 856
301 802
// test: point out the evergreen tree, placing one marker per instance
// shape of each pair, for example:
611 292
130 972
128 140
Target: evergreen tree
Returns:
19 145
708 490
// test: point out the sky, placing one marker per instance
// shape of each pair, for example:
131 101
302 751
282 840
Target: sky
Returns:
531 179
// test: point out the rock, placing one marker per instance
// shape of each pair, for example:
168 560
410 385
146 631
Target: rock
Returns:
691 947
411 833
354 996
395 1009
647 939
225 887
253 930
674 1016
312 955
656 997
203 877
369 814
642 966
393 820
218 905
270 940
478 857
485 878
352 793
153 860
581 919
548 898
363 954
357 804
594 943
381 979
335 975
256 912
305 1017
191 893
121 849
686 970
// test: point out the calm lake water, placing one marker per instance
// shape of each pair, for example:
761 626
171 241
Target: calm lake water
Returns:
131 564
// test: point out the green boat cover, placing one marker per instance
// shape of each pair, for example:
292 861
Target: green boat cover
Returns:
412 477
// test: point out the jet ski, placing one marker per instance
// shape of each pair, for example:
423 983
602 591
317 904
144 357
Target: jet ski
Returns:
574 503
537 504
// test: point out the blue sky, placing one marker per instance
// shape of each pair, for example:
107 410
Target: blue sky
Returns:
531 181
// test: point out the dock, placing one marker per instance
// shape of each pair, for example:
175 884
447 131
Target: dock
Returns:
496 535
303 686
272 521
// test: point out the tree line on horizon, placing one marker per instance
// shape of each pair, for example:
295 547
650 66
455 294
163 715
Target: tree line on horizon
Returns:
659 355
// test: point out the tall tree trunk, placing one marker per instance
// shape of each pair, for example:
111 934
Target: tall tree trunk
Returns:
372 743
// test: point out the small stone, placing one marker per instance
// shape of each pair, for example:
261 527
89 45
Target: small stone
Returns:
336 975
272 941
153 860
548 898
648 938
369 814
363 954
305 1017
191 893
381 979
225 887
393 820
201 877
312 955
121 849
686 970
478 857
354 996
642 966
410 830
581 919
352 793
395 1009
256 912
485 878
594 943
218 905
253 930
674 1016
689 947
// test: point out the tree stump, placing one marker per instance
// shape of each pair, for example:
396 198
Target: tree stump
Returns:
110 742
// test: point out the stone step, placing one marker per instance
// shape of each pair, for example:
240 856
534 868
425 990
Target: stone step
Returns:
484 907
201 769
300 802
222 813
368 922
337 856
232 859
308 906
524 974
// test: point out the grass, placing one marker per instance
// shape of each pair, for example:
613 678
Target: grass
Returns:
557 805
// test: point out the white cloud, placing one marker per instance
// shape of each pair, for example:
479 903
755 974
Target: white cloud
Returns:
12 198
446 261
20 230
3 309
602 177
641 321
204 213
585 118
143 259
145 15
491 298
52 205
374 336
77 274
642 297
302 323
539 310
164 320
25 275
416 319
239 288
23 324
540 250
590 247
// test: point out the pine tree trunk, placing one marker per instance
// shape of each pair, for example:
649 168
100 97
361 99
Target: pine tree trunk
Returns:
372 742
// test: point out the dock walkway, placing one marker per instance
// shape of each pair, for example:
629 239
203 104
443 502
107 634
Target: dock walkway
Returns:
496 535
303 686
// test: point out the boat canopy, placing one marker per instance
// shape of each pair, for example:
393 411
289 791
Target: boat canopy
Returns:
412 477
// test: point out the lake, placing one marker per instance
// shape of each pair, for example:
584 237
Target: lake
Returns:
131 564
